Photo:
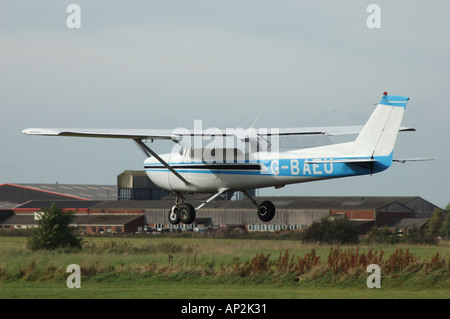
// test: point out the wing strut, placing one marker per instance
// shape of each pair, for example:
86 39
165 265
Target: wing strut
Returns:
148 151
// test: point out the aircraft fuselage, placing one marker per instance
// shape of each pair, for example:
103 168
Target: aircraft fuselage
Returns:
260 170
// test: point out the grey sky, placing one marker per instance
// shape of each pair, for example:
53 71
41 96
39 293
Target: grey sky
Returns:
164 64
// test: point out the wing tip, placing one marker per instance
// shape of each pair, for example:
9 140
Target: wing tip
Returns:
40 131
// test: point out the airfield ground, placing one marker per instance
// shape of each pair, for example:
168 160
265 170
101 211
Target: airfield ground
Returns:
218 268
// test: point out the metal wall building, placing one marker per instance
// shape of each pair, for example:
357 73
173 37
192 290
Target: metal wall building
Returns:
297 212
135 185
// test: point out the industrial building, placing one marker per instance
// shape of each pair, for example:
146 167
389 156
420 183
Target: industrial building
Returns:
136 204
299 212
135 185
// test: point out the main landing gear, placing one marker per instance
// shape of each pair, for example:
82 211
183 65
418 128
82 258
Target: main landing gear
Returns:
185 212
266 209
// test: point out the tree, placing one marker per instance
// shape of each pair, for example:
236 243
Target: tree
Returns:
53 230
435 223
445 230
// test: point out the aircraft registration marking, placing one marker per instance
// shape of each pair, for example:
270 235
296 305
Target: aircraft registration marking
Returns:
297 167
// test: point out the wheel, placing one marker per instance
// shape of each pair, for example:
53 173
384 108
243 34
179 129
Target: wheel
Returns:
187 213
266 211
174 215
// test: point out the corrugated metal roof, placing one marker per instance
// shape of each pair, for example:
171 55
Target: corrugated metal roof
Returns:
102 220
288 202
20 219
325 202
79 192
105 220
7 205
408 223
64 204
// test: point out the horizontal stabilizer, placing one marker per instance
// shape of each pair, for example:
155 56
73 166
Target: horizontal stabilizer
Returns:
418 159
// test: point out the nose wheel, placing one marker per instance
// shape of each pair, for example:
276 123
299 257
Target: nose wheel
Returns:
174 215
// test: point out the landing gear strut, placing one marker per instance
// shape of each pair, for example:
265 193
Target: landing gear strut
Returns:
185 213
180 212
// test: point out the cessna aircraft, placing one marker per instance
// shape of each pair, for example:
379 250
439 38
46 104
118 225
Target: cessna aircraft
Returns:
212 161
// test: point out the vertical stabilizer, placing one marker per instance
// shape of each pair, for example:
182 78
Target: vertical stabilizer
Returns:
378 136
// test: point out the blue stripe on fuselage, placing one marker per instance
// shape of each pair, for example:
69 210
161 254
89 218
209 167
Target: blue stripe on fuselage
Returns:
289 167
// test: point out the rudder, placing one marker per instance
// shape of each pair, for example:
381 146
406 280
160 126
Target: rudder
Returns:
378 136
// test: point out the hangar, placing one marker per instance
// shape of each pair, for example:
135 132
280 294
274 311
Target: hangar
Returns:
91 224
27 216
292 213
299 212
136 204
20 203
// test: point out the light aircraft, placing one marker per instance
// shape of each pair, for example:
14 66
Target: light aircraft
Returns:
215 161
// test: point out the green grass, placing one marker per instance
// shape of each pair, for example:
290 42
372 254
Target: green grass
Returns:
162 268
148 289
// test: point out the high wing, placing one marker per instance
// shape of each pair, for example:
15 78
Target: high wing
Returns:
289 138
104 133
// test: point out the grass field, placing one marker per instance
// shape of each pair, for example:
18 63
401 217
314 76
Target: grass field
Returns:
205 268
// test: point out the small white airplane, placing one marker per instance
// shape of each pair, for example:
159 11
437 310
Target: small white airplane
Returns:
241 160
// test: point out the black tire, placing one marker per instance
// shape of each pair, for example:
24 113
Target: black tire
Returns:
187 213
266 211
174 215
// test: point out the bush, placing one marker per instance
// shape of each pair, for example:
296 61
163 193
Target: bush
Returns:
338 231
383 235
53 230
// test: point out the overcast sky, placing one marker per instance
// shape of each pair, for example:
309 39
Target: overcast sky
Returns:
164 64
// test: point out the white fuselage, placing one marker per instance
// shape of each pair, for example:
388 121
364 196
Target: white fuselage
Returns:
259 170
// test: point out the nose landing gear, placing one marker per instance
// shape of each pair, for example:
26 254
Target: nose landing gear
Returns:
184 213
174 216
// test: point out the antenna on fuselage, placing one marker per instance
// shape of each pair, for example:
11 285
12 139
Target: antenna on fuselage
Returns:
260 113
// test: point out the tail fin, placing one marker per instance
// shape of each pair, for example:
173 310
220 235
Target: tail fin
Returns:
378 136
